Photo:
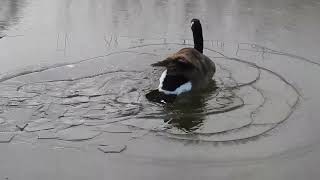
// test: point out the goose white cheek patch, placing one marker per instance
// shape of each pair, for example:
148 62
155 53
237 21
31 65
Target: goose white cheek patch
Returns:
179 90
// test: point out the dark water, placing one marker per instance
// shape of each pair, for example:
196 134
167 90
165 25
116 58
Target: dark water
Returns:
76 79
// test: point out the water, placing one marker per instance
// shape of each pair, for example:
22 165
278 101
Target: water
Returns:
75 77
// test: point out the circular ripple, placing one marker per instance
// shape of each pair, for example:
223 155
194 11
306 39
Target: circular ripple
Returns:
245 100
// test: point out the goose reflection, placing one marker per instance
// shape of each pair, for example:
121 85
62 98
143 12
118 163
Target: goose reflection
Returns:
185 112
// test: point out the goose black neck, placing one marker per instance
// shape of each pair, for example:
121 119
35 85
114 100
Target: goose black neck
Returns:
197 36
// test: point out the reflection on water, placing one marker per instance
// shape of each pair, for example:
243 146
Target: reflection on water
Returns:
187 111
164 18
9 13
67 30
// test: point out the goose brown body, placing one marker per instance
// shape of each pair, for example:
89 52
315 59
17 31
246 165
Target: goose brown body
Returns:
191 63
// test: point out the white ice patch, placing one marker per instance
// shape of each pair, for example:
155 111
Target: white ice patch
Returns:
70 66
181 89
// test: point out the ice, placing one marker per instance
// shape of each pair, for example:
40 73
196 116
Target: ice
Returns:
112 148
77 134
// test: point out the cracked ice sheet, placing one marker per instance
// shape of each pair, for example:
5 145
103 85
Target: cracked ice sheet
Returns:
149 124
213 123
47 135
54 111
6 137
13 93
25 137
75 100
7 127
2 120
72 121
118 85
112 139
279 100
77 134
18 114
112 148
230 120
114 128
84 69
40 124
232 135
241 73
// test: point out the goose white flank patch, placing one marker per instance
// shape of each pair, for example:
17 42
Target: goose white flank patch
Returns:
186 87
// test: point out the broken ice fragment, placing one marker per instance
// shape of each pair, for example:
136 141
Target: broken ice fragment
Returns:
40 124
76 100
139 134
112 148
110 128
18 114
67 122
77 134
99 115
47 135
1 120
55 111
6 137
6 127
72 121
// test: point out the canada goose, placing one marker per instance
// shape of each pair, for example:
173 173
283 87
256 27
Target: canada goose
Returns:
188 69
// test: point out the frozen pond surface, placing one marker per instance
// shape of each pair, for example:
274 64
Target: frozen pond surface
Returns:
243 104
75 74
